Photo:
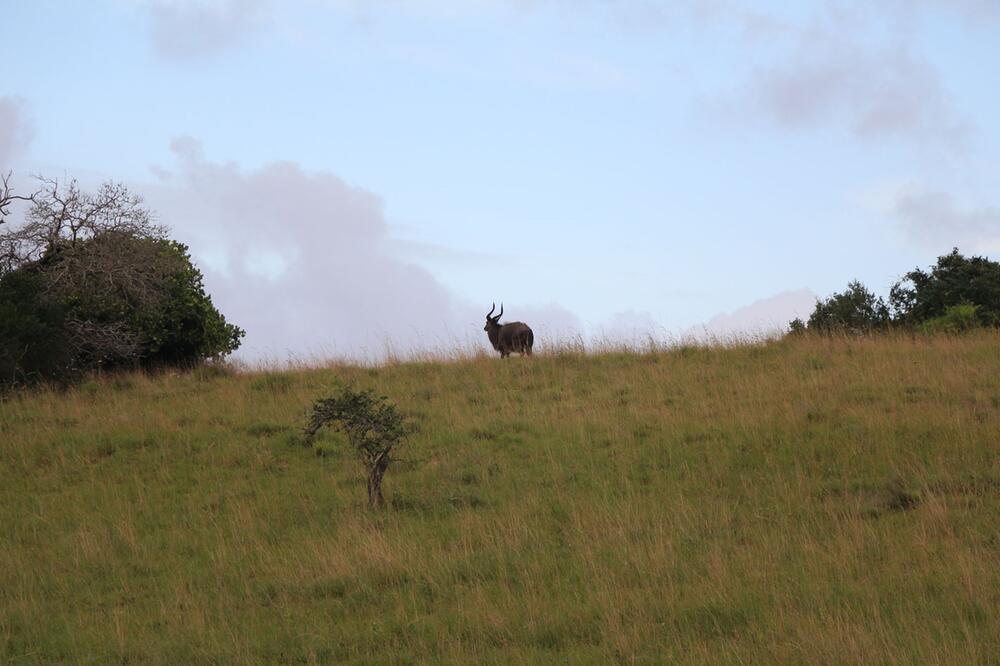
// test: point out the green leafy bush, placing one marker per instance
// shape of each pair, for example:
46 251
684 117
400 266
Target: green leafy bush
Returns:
373 427
89 281
33 344
956 319
184 327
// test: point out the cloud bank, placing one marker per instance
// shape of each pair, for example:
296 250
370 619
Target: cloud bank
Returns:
302 261
760 318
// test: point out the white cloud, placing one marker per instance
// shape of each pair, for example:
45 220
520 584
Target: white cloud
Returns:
856 68
16 129
303 261
760 318
844 66
934 220
876 93
194 29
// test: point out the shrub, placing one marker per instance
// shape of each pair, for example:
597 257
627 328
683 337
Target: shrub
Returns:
89 281
956 319
373 427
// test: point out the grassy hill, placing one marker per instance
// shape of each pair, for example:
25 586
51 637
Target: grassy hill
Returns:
811 501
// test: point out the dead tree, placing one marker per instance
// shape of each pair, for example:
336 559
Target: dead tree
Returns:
373 427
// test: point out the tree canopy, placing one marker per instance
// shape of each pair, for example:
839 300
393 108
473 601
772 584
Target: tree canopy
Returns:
953 281
854 310
955 294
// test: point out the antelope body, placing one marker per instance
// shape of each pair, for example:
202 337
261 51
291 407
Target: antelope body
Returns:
508 338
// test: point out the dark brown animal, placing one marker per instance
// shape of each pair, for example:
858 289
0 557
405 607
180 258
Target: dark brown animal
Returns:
508 338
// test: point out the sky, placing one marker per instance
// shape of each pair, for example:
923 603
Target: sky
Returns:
358 177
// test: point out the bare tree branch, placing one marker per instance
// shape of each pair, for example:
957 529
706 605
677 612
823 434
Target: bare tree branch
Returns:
62 217
95 344
7 196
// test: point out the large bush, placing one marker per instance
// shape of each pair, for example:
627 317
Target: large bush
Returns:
89 281
161 315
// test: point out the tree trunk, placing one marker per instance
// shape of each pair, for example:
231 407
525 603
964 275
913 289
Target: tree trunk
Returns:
375 474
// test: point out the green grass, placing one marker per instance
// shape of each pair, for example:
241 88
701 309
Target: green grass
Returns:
806 501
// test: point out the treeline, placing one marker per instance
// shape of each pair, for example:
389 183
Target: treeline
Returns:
956 294
90 281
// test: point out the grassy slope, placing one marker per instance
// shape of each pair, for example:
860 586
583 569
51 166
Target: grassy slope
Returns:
808 501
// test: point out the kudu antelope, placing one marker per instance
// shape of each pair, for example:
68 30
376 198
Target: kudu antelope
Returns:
508 338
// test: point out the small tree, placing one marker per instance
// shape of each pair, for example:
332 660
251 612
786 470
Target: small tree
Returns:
373 427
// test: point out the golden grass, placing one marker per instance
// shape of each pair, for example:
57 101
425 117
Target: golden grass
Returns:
806 501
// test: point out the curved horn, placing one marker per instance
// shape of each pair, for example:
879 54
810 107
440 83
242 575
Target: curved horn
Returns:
491 311
501 310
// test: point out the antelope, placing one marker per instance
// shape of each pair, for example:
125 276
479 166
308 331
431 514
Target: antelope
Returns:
508 338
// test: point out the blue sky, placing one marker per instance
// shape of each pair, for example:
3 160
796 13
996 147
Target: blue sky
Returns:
356 174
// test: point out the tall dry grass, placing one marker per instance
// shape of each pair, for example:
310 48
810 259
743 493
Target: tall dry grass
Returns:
809 500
